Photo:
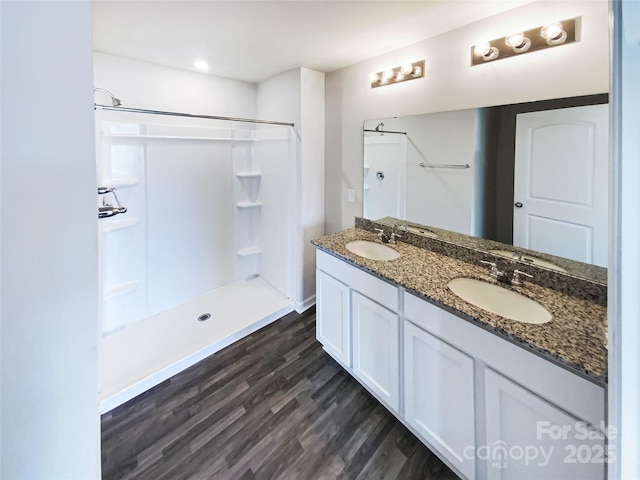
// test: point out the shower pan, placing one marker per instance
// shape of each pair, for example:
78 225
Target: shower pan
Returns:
202 255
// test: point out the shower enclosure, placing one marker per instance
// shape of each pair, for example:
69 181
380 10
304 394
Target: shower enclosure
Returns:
202 255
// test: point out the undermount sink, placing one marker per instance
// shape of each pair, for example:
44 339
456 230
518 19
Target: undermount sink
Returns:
498 300
529 259
372 250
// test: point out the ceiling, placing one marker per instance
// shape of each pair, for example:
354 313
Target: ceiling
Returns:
255 40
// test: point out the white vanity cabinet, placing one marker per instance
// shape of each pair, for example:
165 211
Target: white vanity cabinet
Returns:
527 433
439 395
376 348
488 408
333 329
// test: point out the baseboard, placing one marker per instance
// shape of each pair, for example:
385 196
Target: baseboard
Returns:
306 305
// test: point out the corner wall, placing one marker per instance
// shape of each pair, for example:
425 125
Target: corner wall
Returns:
580 68
49 279
298 96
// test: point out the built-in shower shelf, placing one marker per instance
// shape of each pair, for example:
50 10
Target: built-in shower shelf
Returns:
246 252
249 174
249 204
121 182
120 290
115 225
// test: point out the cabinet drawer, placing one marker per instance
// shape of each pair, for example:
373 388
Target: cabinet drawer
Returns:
384 293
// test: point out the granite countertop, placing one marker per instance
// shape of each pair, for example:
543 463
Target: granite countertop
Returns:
575 338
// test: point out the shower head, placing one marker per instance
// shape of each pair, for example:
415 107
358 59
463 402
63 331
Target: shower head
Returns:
116 102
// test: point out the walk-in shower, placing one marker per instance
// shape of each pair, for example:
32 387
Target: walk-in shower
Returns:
202 255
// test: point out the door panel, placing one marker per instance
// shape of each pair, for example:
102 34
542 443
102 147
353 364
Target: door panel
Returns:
561 166
376 348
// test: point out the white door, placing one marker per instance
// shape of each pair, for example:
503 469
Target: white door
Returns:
376 360
439 396
332 317
385 165
560 183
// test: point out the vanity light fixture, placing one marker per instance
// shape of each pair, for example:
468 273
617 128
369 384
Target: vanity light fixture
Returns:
550 35
408 71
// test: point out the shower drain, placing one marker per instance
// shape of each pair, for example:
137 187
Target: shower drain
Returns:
204 316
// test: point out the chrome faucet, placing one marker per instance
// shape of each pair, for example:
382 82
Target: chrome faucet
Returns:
383 236
515 278
499 275
503 277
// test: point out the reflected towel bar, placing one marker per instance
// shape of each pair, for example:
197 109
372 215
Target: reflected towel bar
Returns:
442 165
384 131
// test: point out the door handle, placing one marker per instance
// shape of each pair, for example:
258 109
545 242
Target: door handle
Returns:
518 204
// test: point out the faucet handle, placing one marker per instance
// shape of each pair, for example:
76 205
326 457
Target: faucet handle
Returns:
495 273
381 235
492 264
394 235
515 279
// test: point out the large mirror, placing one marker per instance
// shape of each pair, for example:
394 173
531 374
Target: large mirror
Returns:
517 180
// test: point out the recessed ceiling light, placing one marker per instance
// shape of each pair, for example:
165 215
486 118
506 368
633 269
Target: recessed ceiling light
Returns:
201 65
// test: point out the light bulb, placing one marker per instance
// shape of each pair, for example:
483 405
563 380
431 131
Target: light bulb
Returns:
518 42
417 71
399 76
553 33
388 74
374 77
486 51
406 69
481 49
514 40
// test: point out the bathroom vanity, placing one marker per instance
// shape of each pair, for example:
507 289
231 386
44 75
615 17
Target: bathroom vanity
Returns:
493 397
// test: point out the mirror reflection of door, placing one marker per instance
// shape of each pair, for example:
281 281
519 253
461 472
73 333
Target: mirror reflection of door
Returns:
385 164
560 200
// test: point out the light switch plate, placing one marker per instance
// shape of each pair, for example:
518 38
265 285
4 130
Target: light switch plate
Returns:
351 195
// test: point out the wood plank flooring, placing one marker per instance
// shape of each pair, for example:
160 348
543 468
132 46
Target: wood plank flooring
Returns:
272 406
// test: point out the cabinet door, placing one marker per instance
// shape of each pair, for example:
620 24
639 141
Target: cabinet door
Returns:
332 317
531 438
375 348
439 396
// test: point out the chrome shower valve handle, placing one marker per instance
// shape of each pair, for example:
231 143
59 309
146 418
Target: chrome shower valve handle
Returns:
108 210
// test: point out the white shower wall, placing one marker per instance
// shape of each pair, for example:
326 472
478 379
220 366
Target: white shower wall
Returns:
207 206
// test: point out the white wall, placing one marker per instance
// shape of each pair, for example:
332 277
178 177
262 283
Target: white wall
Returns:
450 83
155 87
624 257
49 284
298 96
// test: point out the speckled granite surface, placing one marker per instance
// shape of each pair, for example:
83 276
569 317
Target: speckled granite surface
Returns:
447 243
575 338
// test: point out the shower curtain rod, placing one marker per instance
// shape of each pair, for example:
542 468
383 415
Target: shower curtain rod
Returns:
385 131
189 115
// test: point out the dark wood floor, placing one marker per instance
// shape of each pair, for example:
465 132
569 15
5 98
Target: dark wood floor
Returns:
272 406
